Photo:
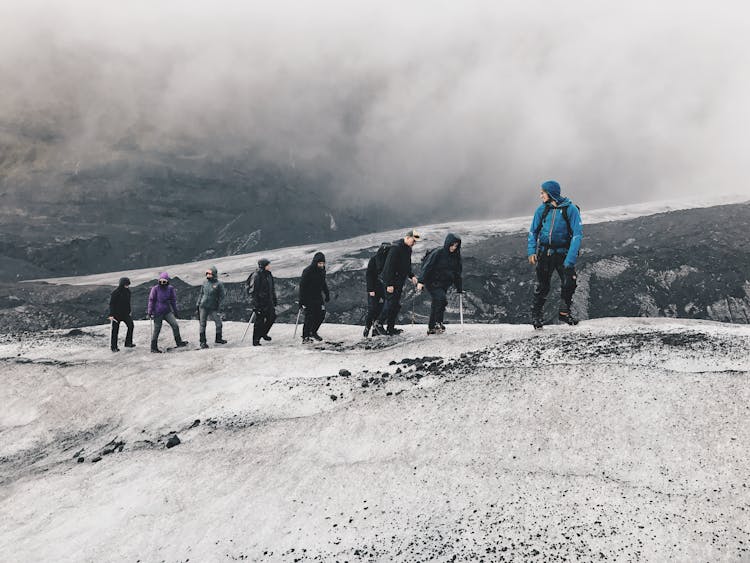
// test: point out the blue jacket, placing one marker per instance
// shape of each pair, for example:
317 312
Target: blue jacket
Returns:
553 233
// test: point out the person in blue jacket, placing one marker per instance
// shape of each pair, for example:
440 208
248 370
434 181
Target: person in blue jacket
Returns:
553 243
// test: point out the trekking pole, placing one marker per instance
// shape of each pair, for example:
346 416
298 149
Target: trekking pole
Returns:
413 295
299 312
461 308
252 318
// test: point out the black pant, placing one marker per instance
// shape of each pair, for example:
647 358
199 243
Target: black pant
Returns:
116 331
314 316
391 307
439 303
545 267
264 320
375 304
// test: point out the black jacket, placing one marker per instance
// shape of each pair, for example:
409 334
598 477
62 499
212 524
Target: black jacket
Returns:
312 285
398 265
443 268
119 303
372 275
260 288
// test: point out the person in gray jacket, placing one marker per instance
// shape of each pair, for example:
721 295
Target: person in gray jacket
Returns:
209 302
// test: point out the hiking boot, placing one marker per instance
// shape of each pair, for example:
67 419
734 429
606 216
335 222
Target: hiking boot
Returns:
115 349
307 340
182 343
366 332
155 350
440 327
204 345
393 331
537 323
377 329
567 318
256 342
266 338
316 336
220 341
433 331
129 345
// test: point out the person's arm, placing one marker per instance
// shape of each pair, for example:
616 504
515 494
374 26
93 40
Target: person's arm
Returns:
325 291
576 225
173 300
222 293
151 300
303 283
427 270
531 239
112 304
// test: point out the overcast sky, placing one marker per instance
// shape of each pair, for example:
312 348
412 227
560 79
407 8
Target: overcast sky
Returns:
619 101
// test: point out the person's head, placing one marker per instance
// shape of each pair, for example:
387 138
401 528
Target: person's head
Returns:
452 242
319 260
264 264
412 237
551 192
124 282
212 273
164 278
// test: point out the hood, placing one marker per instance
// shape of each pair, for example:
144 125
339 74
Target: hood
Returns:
319 257
215 272
450 239
164 276
123 282
553 190
262 263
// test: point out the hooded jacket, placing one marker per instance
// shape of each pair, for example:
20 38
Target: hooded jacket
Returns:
212 292
312 284
443 268
261 289
552 234
163 298
398 265
119 301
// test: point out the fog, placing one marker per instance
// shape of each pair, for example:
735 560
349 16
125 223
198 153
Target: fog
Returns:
471 104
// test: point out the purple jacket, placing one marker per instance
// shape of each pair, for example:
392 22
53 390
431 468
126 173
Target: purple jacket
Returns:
162 300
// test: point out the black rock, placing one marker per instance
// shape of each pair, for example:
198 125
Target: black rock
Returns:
344 373
334 397
96 459
173 441
80 460
196 422
75 332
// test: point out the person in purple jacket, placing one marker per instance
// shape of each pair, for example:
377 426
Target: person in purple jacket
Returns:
162 306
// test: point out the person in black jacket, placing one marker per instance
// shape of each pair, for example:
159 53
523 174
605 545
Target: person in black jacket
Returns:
395 271
375 289
313 289
441 269
119 312
260 288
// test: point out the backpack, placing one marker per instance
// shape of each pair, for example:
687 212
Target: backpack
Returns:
546 211
381 255
429 253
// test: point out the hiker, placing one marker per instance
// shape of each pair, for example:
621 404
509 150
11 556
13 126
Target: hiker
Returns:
396 270
119 312
211 295
375 289
162 306
313 292
260 288
441 268
553 243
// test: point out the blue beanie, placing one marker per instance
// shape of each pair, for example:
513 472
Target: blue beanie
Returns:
552 188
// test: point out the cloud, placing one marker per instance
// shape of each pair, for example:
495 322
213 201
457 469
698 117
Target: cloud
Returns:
469 105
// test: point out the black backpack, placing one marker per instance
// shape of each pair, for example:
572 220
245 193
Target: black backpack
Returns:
547 209
429 253
381 255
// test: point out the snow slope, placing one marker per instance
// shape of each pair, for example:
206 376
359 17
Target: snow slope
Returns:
622 439
348 254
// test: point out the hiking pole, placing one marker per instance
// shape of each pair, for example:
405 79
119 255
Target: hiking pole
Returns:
299 312
461 308
252 318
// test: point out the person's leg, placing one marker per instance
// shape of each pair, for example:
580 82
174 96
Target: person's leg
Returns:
115 334
309 321
172 320
157 329
259 327
216 318
203 321
568 285
270 319
543 277
319 318
129 334
394 306
441 297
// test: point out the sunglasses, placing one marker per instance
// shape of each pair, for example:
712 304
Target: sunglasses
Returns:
210 274
163 282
